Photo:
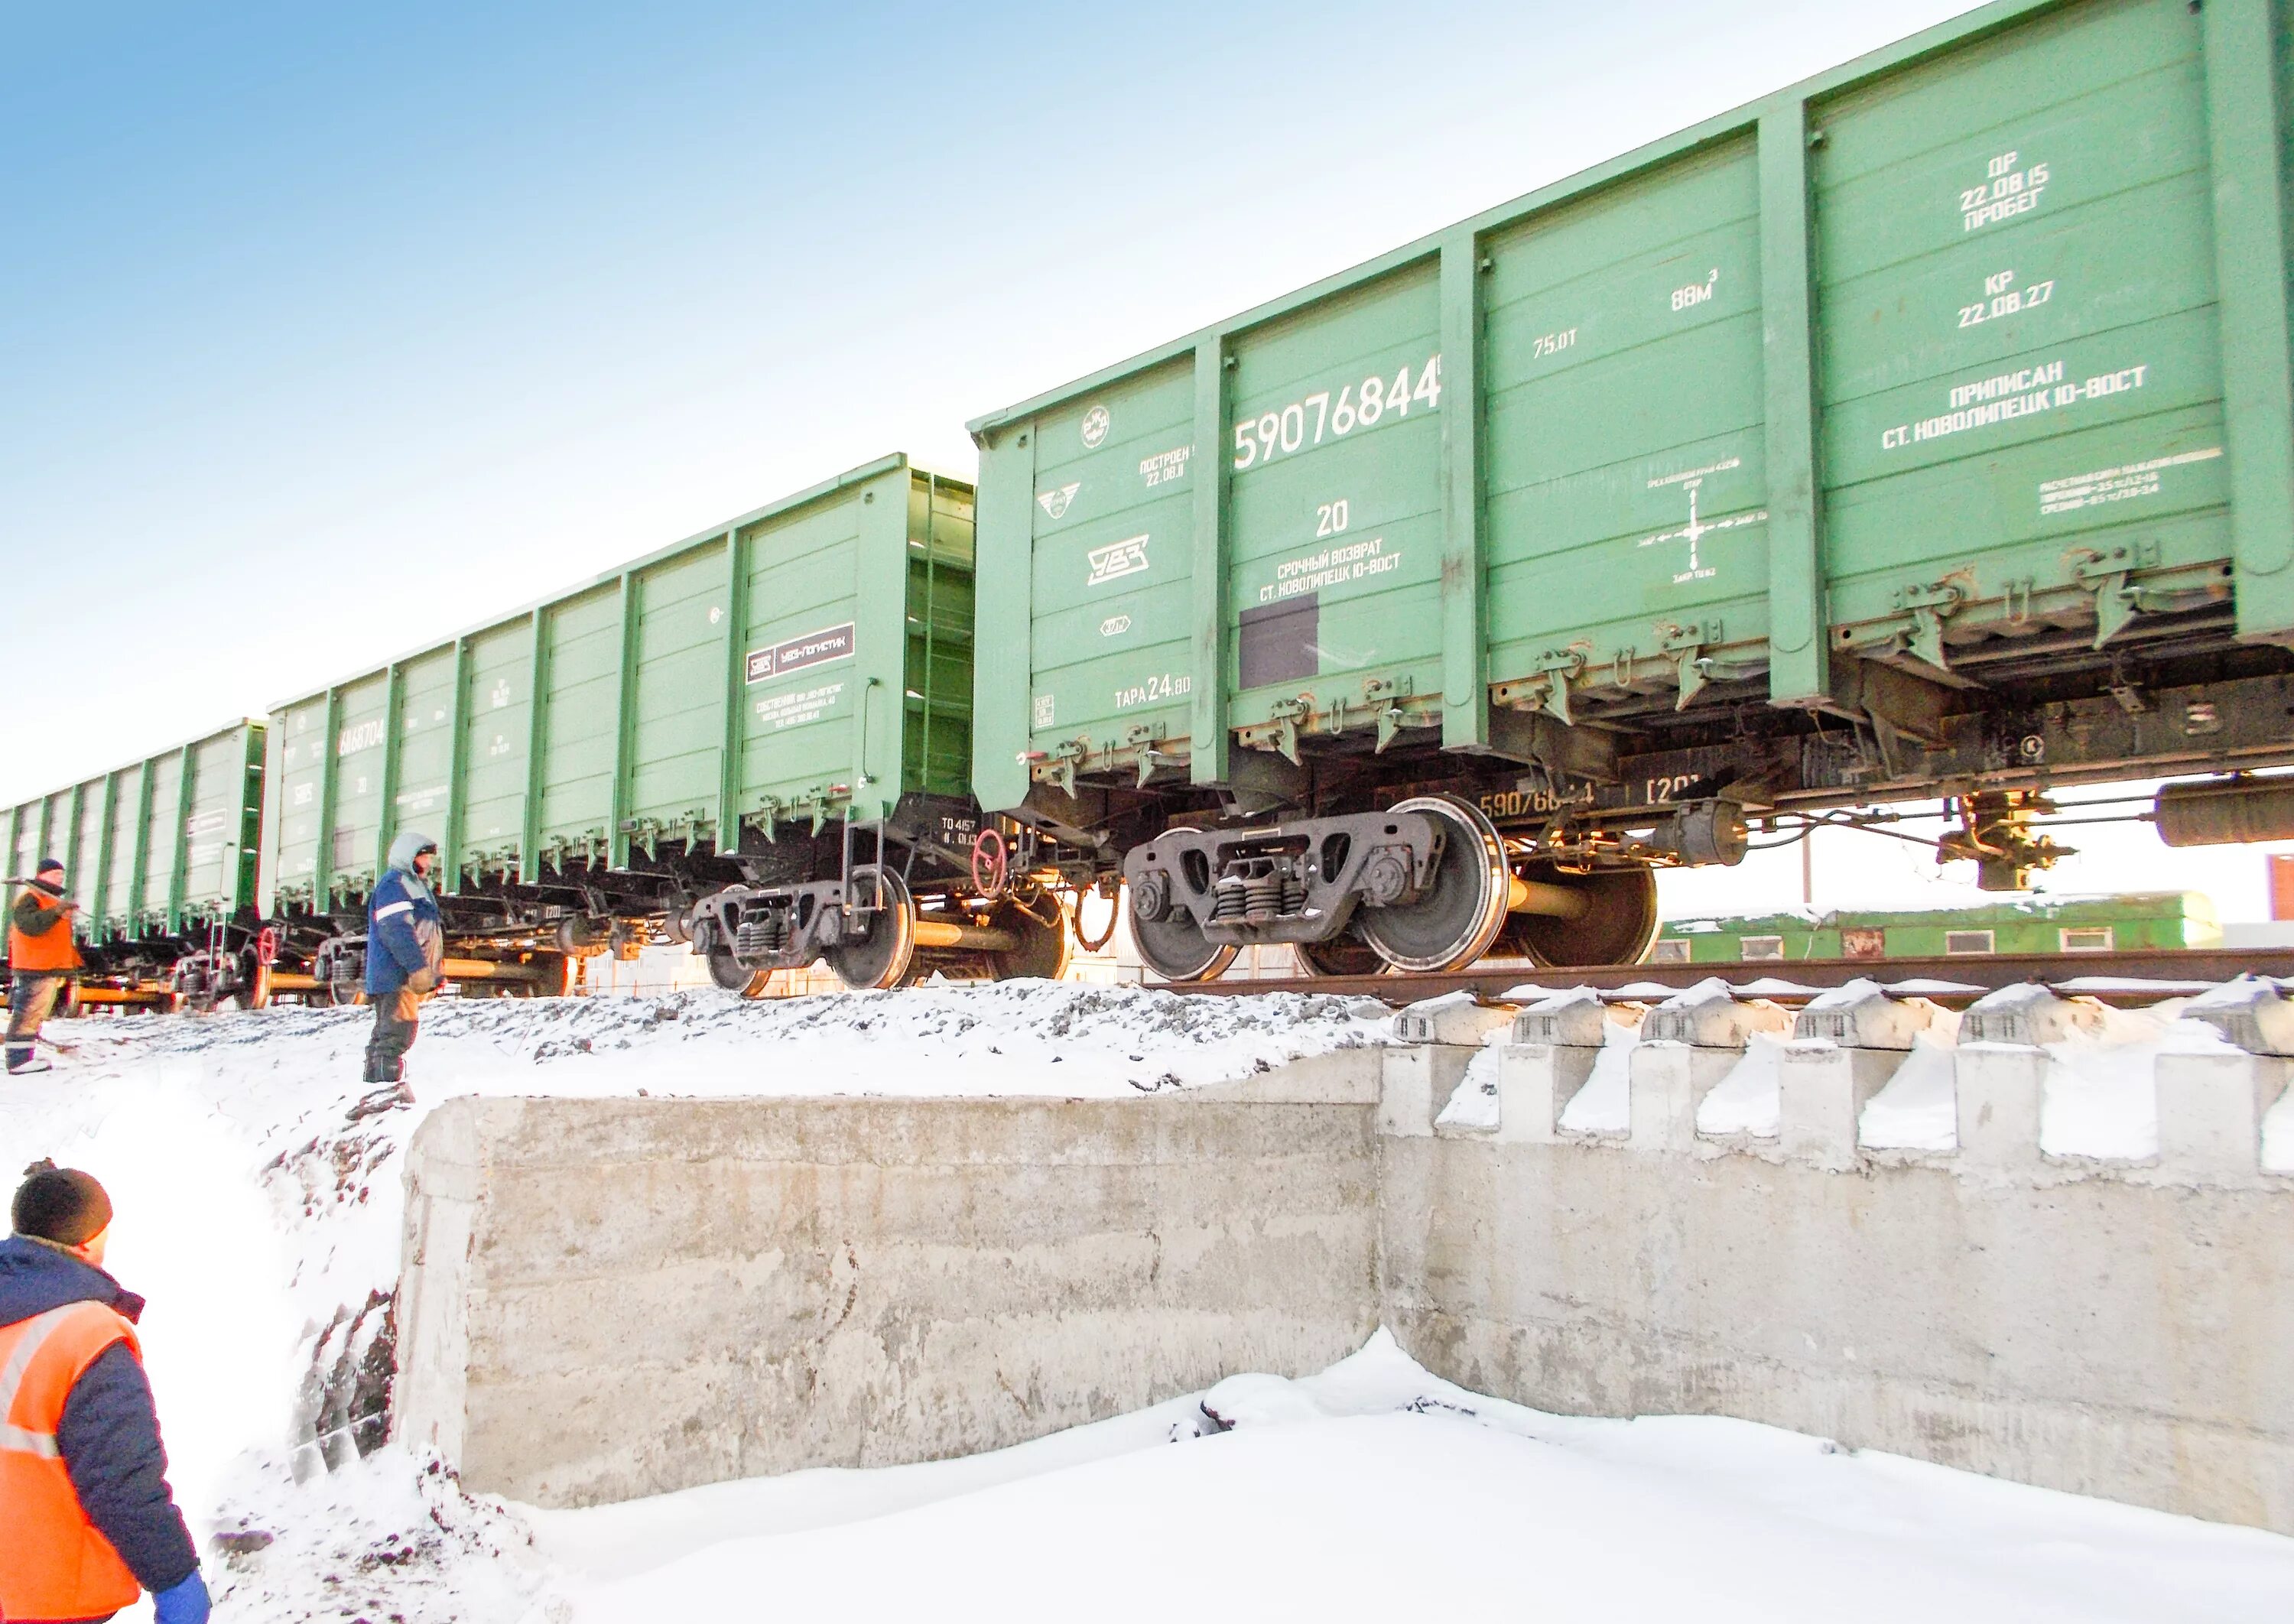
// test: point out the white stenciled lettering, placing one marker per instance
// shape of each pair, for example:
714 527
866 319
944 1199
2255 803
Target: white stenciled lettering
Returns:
2001 297
359 737
1310 419
2005 396
1166 684
1165 467
1117 559
2007 190
1692 480
1332 566
2119 485
798 706
1696 293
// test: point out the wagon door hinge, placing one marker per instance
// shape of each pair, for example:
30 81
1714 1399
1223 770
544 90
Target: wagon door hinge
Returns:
644 832
766 817
2107 574
1929 607
816 801
1141 739
1286 714
1066 756
1391 716
1558 667
1685 646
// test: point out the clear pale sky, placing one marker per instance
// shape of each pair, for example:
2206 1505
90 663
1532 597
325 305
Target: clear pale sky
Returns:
325 333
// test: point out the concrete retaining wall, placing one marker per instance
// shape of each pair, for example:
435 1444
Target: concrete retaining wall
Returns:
2117 1329
608 1298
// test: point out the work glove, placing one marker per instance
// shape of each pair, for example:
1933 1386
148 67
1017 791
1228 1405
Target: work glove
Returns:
422 983
185 1604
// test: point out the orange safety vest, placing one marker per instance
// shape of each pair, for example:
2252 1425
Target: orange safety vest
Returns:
51 953
53 1563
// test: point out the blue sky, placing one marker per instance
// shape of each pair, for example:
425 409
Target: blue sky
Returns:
325 332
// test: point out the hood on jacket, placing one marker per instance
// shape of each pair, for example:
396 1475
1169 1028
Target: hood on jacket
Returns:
36 1277
402 849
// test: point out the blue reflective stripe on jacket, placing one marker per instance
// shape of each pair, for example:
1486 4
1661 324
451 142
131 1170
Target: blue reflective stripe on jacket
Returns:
404 932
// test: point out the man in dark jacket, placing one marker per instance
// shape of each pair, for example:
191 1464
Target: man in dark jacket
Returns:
405 956
84 1499
42 956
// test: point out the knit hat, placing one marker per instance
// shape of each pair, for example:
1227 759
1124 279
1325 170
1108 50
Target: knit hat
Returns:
49 865
61 1203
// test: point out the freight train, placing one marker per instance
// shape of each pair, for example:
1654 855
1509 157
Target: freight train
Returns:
1923 431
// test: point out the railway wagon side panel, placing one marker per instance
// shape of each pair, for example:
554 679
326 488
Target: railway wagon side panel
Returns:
123 817
300 743
486 834
1335 504
222 809
354 829
580 686
57 816
84 855
163 845
416 775
24 839
799 706
1626 525
2021 379
677 746
1092 562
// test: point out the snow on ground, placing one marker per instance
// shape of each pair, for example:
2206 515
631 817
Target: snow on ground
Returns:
1376 1490
258 1213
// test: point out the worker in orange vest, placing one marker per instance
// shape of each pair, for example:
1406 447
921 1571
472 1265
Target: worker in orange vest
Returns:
42 956
87 1520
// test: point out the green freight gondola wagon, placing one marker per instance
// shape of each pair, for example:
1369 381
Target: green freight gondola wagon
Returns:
161 856
1922 429
757 739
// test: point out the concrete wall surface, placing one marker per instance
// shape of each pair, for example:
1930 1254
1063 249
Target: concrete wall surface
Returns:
2123 1331
608 1298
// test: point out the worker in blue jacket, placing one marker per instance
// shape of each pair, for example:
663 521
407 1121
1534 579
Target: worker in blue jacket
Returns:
405 957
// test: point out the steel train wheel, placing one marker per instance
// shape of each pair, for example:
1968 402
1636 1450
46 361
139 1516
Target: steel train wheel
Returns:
884 958
1455 920
1344 955
1174 947
257 994
1617 929
1043 950
733 977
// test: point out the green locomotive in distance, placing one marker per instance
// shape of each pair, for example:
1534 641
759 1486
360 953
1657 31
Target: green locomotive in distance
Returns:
2138 920
1924 429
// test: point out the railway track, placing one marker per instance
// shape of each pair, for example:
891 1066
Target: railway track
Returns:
2126 978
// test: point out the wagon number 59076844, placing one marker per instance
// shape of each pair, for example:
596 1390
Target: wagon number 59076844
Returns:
1305 421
